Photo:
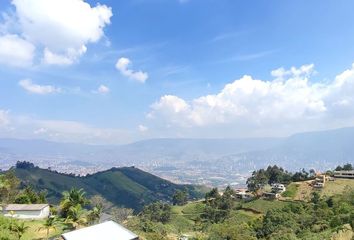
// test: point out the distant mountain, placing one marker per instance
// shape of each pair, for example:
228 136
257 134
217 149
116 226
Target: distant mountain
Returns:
129 187
205 161
319 150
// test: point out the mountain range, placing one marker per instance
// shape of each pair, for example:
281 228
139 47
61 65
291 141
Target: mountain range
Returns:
319 150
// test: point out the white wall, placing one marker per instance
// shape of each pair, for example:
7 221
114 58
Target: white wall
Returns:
40 214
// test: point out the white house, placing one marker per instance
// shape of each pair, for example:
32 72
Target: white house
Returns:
26 211
108 231
277 187
344 174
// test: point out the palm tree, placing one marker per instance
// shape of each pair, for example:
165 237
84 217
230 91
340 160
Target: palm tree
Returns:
95 214
76 217
49 224
19 229
71 199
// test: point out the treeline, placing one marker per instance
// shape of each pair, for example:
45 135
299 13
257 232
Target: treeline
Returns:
275 174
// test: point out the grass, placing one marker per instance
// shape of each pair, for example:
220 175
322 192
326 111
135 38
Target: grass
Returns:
262 206
337 187
291 190
33 233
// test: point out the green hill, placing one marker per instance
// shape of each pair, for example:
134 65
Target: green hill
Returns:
128 186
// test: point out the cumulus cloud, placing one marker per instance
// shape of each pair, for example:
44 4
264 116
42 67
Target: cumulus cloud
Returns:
251 106
15 51
103 89
62 28
123 66
31 87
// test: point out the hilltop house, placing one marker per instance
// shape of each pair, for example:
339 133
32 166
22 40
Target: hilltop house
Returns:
278 188
344 174
26 211
108 231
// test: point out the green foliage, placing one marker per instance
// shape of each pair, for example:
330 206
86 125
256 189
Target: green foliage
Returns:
157 212
9 184
346 167
72 201
19 228
230 231
49 224
29 196
291 191
124 187
218 207
180 198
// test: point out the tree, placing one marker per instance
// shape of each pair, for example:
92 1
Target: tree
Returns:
180 198
95 214
75 217
214 193
29 196
19 229
24 165
121 214
72 199
315 198
257 181
231 231
50 224
347 167
9 184
157 212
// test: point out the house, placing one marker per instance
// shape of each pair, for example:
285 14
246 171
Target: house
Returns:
243 194
26 211
344 174
271 195
108 231
278 188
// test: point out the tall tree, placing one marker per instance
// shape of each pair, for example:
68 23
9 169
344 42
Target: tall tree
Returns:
50 224
19 229
73 198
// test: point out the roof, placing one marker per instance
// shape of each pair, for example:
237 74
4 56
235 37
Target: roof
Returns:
105 217
24 207
344 172
108 231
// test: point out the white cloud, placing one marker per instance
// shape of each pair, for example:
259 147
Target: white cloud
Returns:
30 87
15 51
123 66
289 103
26 127
63 28
143 128
68 58
4 118
103 89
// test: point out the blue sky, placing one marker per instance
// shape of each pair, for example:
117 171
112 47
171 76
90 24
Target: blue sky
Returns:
181 71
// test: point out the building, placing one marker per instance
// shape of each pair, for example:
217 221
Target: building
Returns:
278 188
344 174
26 211
271 195
108 231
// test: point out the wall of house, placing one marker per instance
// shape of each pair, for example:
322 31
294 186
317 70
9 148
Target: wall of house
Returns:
38 214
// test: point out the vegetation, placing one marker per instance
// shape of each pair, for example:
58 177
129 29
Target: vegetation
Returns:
328 213
126 187
345 167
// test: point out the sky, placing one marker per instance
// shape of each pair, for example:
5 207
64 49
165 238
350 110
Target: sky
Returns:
114 72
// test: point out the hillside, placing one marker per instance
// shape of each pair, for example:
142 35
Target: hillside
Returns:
129 187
